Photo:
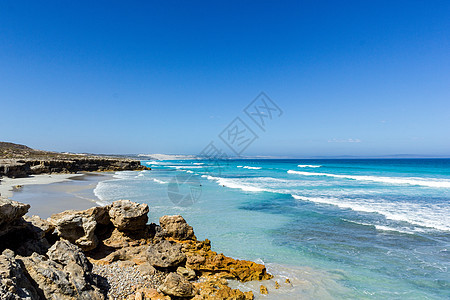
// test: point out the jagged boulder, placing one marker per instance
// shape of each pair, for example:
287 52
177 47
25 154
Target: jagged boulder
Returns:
165 255
11 210
23 234
136 254
202 259
188 273
14 284
57 281
216 288
177 228
40 227
78 227
128 216
65 253
33 238
176 285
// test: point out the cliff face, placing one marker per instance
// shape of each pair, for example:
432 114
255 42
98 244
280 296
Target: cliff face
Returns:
23 167
20 161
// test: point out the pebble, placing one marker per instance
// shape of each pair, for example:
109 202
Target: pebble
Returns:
118 282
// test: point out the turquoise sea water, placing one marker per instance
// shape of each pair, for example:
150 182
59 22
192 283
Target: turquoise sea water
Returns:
338 229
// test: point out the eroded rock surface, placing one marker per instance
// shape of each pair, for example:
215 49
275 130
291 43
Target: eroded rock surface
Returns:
177 286
11 210
176 227
14 283
54 259
165 255
128 216
78 227
56 281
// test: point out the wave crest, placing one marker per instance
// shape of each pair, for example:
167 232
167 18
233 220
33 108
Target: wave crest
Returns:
429 182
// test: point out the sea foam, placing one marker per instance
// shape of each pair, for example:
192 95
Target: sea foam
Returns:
431 216
309 166
234 184
250 168
429 182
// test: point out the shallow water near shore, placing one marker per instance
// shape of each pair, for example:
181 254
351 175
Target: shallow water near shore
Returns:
70 192
338 229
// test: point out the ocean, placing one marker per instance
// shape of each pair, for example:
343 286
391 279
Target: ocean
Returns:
338 229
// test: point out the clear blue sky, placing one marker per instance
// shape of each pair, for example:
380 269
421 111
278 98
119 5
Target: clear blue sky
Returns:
352 77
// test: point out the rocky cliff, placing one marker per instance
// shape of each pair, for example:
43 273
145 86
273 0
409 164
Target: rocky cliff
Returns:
20 161
111 252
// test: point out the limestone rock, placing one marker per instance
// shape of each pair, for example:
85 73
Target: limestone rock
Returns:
66 253
216 288
189 274
129 216
176 285
146 269
263 290
78 227
156 232
14 284
176 227
201 258
11 210
57 281
165 255
146 293
120 239
136 254
40 226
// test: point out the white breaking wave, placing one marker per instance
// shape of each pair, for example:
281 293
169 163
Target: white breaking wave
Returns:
309 166
250 168
430 182
431 215
384 228
186 167
159 181
155 162
234 184
259 184
198 163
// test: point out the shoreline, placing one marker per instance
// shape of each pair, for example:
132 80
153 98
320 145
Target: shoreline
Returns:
114 243
52 193
55 193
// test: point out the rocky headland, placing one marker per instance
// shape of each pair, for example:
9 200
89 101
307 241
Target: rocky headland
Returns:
110 252
20 161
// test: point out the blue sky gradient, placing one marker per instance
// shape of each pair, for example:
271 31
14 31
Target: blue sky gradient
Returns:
352 77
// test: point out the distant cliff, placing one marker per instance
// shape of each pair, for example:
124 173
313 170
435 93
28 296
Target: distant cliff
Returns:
19 161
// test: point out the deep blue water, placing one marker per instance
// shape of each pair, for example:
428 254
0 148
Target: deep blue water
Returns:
338 229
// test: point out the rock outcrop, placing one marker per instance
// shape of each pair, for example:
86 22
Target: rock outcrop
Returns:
56 259
56 281
23 167
177 228
128 216
14 283
177 286
165 255
78 227
11 210
23 233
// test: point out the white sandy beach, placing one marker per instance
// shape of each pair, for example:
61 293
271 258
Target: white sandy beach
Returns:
9 185
52 193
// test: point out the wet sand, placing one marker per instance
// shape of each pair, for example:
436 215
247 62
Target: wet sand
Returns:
49 194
